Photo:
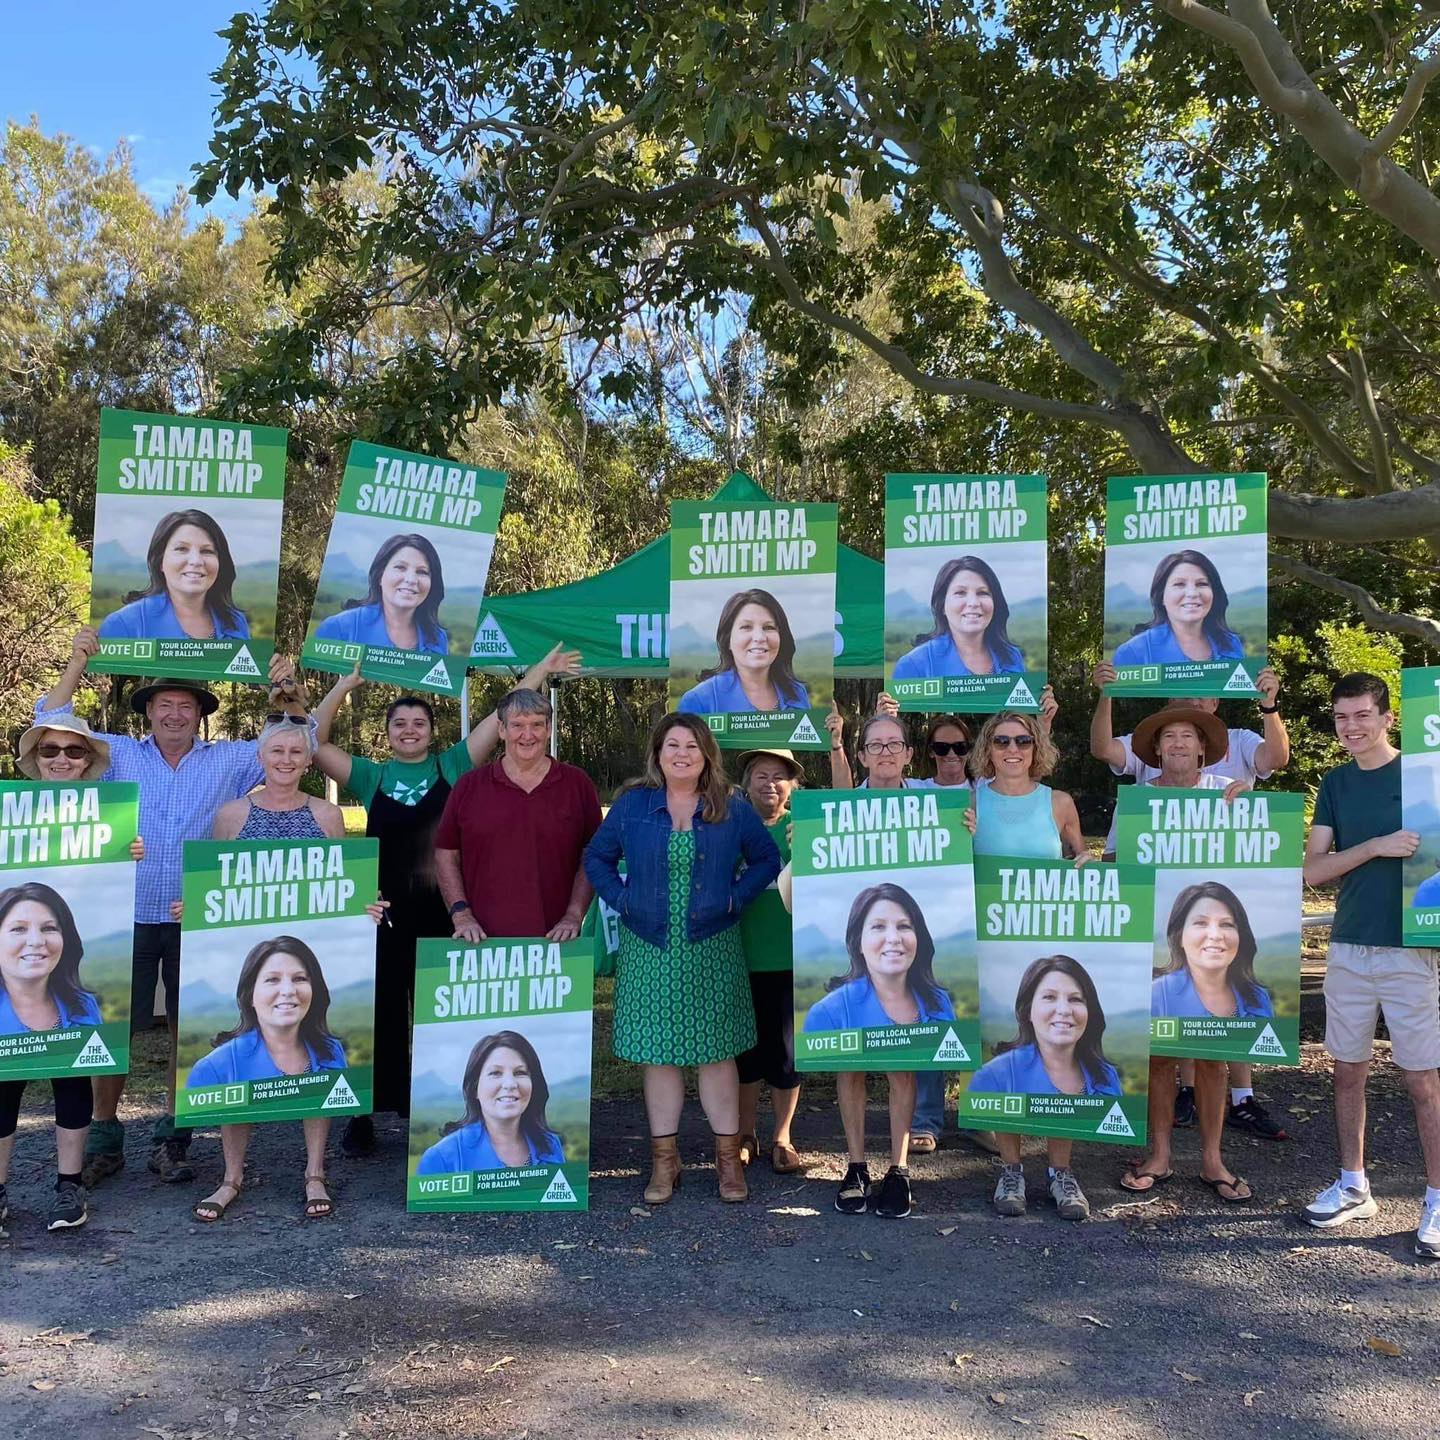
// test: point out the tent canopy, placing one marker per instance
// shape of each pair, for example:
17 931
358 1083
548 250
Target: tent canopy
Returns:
620 619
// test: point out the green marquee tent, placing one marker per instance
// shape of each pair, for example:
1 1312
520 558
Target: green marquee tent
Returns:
619 620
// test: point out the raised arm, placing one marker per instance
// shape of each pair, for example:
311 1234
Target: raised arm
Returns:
485 736
85 644
1103 744
1274 751
331 759
841 776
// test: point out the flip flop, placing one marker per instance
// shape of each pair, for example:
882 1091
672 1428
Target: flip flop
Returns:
785 1160
922 1142
1221 1185
1135 1173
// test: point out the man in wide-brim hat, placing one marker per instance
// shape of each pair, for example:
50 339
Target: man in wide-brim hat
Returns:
184 779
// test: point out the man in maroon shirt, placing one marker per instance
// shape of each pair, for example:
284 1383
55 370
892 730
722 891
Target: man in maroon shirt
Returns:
508 848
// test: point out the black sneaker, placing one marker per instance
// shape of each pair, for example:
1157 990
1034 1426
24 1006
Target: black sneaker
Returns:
853 1196
1185 1107
1251 1115
170 1160
892 1194
69 1208
358 1138
4 1204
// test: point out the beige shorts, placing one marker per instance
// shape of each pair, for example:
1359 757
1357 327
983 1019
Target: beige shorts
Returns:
1363 980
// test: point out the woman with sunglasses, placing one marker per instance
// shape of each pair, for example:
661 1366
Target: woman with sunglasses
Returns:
1015 814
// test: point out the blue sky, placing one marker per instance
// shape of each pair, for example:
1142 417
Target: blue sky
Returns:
122 69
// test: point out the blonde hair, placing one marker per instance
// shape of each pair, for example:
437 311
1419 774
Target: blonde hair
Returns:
714 788
1043 758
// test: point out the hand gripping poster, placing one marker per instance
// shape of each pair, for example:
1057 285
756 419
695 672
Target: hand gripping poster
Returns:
1227 918
277 980
500 1094
1186 593
1420 801
966 596
67 892
1064 1000
752 620
884 931
187 546
404 573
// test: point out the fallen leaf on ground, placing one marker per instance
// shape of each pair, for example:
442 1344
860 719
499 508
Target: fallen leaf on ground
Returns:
946 1230
1249 1335
961 1359
640 1212
108 1259
506 1360
866 1255
611 1361
1250 1398
42 1384
354 1295
1096 1320
954 1307
997 1397
1185 1375
1381 1346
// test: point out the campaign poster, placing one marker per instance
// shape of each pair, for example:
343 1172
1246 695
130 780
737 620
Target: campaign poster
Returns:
67 895
403 578
1064 1000
1420 801
884 931
1228 889
1186 599
966 597
752 620
500 1088
186 562
277 980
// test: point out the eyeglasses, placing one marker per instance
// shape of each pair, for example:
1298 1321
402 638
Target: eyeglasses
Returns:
943 748
884 747
276 717
70 752
1020 742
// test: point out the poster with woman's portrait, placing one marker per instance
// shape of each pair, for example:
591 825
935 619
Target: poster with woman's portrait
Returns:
752 619
1226 945
884 931
186 561
1064 1000
277 980
1420 801
67 895
1186 593
403 577
966 598
500 1084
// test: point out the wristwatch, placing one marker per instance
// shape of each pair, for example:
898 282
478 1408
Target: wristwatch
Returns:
1269 709
458 906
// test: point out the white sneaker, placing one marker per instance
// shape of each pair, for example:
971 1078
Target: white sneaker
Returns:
1010 1191
1339 1205
1427 1237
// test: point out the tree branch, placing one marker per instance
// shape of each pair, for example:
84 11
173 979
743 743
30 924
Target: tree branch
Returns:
1365 398
1409 104
1393 621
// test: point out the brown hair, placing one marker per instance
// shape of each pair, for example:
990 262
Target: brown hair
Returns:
1043 758
714 788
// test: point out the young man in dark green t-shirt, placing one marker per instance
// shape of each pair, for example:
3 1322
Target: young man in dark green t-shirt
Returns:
1357 839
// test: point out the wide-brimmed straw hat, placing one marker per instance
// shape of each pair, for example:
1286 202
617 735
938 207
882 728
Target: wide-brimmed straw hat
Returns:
1212 733
146 693
776 753
29 764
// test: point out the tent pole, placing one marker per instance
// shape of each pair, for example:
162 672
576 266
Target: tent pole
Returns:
465 707
555 712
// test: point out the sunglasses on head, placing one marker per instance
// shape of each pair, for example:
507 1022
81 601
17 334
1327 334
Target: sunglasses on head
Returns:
70 752
949 747
1020 742
275 717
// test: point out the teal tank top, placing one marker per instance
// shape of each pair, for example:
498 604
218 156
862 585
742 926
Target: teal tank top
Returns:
1022 825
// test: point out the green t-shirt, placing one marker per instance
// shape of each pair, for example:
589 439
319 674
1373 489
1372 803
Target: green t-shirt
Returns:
1359 805
765 922
407 782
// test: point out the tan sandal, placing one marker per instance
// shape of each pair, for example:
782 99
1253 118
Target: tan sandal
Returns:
210 1210
321 1207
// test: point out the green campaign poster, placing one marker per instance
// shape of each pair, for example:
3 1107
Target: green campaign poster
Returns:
966 597
500 1091
1186 598
404 573
752 619
1227 918
1064 1000
67 895
277 980
1420 801
187 546
884 930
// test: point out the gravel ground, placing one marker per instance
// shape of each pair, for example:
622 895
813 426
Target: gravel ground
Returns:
1178 1316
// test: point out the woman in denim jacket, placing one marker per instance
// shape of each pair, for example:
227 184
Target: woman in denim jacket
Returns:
682 996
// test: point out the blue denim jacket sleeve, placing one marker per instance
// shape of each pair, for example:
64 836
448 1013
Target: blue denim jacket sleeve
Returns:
603 855
762 856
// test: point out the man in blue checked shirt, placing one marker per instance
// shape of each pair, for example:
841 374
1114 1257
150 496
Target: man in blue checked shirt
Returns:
183 781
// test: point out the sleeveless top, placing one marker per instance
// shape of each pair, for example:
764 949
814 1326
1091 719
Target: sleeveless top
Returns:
1022 825
262 824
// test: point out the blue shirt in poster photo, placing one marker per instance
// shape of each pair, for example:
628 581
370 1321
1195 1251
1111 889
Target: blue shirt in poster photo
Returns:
938 656
153 617
86 1012
1021 1071
1427 892
723 694
469 1148
1175 995
1158 646
365 625
246 1058
856 1006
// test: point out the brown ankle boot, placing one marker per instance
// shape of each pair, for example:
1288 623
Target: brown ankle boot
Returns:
665 1171
728 1169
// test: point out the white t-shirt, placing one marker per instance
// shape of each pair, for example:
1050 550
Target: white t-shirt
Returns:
1208 781
1238 764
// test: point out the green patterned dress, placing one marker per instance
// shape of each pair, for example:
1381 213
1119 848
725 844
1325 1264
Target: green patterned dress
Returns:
687 1003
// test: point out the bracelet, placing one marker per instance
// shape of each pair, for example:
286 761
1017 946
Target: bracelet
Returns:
458 906
1268 709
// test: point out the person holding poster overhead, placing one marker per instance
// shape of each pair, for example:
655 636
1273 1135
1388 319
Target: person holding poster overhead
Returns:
755 660
681 992
400 609
1358 839
404 797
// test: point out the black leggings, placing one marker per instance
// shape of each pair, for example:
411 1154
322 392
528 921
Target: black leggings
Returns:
74 1103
